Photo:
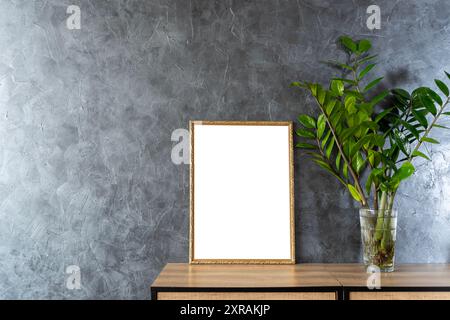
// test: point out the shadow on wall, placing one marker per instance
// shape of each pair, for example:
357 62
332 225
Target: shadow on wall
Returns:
327 219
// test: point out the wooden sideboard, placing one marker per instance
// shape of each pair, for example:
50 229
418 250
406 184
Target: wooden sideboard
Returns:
180 281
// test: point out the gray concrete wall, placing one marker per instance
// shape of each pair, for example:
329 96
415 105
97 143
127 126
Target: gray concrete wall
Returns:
86 118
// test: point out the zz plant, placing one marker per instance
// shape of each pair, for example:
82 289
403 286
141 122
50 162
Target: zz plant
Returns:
369 149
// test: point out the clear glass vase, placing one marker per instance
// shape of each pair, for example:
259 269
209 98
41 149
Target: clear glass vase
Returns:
378 233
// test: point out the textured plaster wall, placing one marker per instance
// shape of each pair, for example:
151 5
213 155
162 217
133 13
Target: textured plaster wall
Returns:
86 118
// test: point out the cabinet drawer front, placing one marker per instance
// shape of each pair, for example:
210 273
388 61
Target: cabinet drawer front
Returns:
399 295
188 295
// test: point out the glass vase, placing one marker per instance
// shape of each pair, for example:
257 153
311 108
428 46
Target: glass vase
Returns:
378 233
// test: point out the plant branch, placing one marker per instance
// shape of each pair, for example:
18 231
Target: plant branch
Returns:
344 157
338 176
427 131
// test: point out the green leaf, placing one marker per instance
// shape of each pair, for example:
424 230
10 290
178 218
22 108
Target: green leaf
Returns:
366 70
405 171
373 177
327 167
329 106
350 104
338 161
348 145
383 187
340 65
303 145
305 133
325 138
429 105
366 107
372 84
377 173
348 43
307 121
321 125
392 155
329 148
400 143
345 171
379 97
421 99
434 96
348 81
321 94
335 118
430 140
348 132
369 124
402 93
367 59
410 128
364 45
448 74
324 165
314 155
378 140
417 153
297 84
357 146
442 87
313 87
337 87
420 118
355 94
369 183
374 158
446 113
355 194
359 162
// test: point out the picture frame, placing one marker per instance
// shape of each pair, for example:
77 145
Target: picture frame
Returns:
241 192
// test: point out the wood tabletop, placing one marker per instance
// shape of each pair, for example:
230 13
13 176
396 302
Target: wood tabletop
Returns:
183 275
245 276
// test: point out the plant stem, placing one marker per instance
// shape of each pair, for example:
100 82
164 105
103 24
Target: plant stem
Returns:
387 236
380 218
375 197
391 200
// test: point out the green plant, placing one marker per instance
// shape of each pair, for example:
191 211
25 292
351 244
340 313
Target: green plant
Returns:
370 151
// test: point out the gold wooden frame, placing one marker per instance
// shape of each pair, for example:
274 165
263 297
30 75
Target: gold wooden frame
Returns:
291 190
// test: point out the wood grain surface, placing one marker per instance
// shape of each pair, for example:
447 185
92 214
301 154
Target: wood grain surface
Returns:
238 276
247 296
399 295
